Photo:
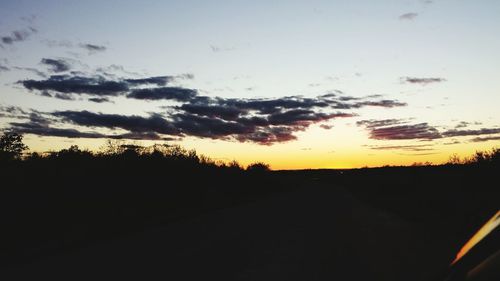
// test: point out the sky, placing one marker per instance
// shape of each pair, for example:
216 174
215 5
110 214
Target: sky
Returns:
296 84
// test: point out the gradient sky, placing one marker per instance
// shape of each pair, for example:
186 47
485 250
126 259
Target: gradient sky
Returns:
351 83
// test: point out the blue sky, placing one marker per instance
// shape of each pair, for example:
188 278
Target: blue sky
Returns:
440 58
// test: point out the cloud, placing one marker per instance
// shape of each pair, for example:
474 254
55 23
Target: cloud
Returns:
325 126
269 136
301 117
158 80
43 130
57 43
136 124
56 65
13 112
185 76
408 16
77 85
452 142
405 132
163 93
31 69
4 65
260 120
98 85
461 133
422 81
17 36
399 129
381 103
213 111
99 100
217 49
462 124
418 147
379 123
92 48
202 126
394 129
484 139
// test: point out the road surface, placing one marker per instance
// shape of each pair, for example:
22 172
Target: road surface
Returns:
313 233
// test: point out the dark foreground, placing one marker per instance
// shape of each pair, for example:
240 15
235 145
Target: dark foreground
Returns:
315 233
372 224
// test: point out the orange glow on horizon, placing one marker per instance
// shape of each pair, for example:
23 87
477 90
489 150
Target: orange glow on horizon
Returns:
309 152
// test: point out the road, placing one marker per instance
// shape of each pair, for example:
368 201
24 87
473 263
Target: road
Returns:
313 233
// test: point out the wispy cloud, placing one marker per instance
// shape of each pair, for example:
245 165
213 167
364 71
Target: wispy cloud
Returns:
400 129
484 139
92 48
461 133
418 147
56 65
408 16
4 65
217 49
422 81
17 36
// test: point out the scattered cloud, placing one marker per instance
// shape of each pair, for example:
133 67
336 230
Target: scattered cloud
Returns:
405 132
422 81
92 48
379 123
452 142
31 69
408 16
3 66
418 147
13 112
56 65
484 139
17 36
461 133
326 127
399 129
259 120
394 129
217 49
464 124
57 43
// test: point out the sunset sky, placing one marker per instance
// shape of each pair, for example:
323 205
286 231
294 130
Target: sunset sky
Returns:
296 84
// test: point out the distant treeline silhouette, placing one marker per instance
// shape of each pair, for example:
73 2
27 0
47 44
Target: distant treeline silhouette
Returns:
59 201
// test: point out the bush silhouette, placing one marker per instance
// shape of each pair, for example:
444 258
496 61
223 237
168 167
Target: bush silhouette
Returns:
258 167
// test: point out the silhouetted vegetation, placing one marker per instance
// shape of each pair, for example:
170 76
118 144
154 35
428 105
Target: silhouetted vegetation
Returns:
62 200
11 146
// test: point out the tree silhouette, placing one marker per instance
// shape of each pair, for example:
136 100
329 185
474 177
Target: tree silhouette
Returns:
11 146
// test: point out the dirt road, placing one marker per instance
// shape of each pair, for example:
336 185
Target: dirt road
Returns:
314 233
